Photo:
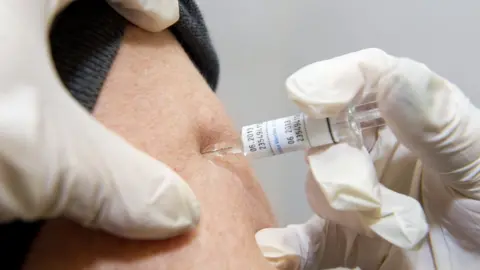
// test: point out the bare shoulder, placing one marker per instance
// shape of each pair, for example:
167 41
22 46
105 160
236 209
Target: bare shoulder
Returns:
156 99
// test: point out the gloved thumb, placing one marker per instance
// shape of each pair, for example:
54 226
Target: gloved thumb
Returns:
151 15
109 184
433 118
57 160
129 193
68 164
295 247
428 114
343 187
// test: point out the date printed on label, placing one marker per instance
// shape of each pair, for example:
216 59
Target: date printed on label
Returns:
274 137
255 138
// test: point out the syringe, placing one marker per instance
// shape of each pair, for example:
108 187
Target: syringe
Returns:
299 132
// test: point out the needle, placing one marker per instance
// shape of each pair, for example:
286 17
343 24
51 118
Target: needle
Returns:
218 150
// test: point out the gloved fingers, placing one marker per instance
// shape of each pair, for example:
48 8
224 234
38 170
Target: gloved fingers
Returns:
320 206
434 119
111 185
342 181
346 176
325 88
280 247
343 187
151 15
294 247
58 160
315 244
428 114
401 220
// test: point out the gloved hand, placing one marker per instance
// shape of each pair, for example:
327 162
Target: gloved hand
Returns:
151 15
57 160
430 151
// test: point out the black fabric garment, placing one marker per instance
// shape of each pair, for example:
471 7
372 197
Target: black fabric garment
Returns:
85 39
192 33
86 36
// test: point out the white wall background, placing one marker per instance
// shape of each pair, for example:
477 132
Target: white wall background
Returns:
261 42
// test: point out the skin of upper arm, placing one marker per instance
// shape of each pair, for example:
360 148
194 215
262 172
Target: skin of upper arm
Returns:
156 99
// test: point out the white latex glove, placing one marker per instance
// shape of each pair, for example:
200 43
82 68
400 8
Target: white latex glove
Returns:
151 15
57 160
437 162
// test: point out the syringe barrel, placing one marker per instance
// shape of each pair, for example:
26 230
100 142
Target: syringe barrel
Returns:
283 135
298 132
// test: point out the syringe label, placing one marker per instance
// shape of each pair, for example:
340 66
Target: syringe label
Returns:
275 137
299 128
255 140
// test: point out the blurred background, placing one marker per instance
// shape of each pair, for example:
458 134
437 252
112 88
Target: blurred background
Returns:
261 42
